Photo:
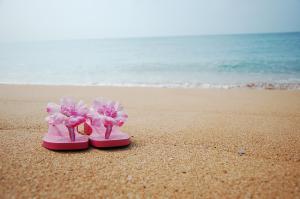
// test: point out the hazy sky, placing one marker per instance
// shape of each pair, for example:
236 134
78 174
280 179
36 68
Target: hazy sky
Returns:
70 19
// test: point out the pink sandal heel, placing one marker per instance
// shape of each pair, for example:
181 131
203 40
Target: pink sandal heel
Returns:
103 124
63 121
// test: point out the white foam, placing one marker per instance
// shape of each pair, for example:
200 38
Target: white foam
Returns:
252 85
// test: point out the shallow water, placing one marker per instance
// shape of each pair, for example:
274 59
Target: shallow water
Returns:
253 60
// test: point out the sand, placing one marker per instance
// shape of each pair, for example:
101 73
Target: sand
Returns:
187 143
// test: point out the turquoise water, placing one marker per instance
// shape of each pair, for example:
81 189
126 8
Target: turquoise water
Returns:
258 60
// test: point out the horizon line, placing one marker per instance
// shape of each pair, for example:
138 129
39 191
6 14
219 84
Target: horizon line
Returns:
149 37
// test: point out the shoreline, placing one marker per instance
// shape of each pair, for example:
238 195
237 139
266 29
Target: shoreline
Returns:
250 86
207 143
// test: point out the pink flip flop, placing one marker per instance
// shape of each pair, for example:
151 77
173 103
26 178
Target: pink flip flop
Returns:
105 118
63 121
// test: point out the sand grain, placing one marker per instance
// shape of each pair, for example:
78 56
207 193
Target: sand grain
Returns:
186 143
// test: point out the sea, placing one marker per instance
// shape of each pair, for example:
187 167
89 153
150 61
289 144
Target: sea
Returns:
263 61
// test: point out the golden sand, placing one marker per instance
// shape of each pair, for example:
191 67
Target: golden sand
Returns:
187 143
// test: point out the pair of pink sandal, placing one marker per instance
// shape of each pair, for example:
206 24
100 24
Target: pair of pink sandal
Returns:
101 125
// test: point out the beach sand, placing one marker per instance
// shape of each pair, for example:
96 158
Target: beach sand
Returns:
186 143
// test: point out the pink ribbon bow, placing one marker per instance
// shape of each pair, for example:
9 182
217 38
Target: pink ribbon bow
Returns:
69 113
108 113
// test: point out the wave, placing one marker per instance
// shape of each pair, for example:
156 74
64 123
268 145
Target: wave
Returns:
251 85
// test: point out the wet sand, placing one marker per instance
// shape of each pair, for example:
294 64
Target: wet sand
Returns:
191 143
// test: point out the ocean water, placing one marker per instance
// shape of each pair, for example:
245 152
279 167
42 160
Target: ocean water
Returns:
222 61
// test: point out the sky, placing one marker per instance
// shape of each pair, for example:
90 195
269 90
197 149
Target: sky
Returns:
28 20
